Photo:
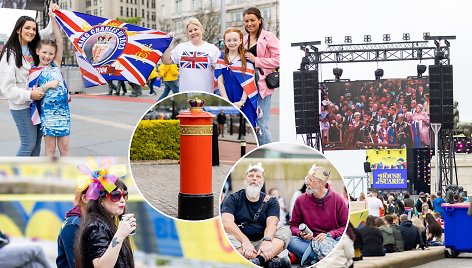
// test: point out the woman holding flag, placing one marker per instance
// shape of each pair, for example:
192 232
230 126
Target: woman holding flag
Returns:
196 59
263 50
16 59
236 76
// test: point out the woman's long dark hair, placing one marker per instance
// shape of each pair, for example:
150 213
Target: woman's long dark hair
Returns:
370 221
95 209
433 227
256 12
13 43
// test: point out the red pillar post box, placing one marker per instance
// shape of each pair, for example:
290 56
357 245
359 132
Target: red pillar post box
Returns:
196 195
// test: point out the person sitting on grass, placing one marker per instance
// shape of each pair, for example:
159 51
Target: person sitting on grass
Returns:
410 234
387 233
372 239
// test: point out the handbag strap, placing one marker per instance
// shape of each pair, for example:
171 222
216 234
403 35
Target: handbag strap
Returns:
258 212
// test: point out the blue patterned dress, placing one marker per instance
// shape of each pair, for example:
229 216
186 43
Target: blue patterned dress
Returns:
55 112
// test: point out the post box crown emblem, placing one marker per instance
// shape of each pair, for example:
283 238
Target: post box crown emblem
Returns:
196 105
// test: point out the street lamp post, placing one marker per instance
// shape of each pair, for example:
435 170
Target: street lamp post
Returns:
223 18
436 128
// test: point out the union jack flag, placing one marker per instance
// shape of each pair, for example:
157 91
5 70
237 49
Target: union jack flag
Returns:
107 49
246 79
194 60
33 77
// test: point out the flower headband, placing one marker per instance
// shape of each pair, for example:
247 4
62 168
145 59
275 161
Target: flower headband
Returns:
98 176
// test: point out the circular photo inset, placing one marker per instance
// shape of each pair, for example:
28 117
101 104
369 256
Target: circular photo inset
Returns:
284 204
182 150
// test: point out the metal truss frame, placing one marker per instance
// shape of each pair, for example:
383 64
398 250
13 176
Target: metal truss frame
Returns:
447 160
373 52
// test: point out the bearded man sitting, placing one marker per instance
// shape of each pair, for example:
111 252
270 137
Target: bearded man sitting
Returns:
250 220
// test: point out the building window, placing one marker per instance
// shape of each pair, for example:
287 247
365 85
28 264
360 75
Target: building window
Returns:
135 12
265 12
144 25
88 3
131 12
237 16
154 26
101 11
121 11
161 10
195 4
178 6
153 16
179 25
94 2
147 15
95 12
142 13
153 3
127 12
147 3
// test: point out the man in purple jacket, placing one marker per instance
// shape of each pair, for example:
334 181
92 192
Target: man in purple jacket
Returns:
322 210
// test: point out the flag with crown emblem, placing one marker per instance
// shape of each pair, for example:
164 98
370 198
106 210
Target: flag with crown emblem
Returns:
108 49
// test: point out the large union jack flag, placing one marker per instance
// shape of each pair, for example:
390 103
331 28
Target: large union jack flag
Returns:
245 79
194 60
33 77
107 49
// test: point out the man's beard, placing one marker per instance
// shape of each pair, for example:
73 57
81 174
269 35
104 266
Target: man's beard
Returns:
252 190
313 191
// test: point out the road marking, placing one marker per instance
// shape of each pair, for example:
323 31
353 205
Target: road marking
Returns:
102 122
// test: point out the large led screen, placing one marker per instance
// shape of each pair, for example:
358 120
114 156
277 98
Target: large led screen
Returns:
387 113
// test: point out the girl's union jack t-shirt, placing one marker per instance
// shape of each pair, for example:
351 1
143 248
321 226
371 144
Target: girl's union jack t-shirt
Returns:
196 66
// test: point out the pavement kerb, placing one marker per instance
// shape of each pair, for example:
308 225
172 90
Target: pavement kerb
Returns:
402 259
156 162
238 141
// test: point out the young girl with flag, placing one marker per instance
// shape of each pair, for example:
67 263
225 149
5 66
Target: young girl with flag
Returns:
16 60
54 112
236 76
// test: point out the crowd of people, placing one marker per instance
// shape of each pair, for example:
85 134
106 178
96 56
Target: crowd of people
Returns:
391 113
398 223
262 228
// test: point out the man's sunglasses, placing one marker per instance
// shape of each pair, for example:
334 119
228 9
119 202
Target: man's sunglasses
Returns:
115 196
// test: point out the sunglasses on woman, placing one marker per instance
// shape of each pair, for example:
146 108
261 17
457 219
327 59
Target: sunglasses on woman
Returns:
115 196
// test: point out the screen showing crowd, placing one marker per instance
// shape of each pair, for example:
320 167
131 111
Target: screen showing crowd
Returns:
387 113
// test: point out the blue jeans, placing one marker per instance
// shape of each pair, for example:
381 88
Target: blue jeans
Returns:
298 246
264 135
168 86
30 135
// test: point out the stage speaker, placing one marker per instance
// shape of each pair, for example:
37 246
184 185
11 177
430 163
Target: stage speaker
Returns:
367 167
441 95
306 101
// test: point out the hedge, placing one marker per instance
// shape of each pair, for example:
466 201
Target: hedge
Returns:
156 139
